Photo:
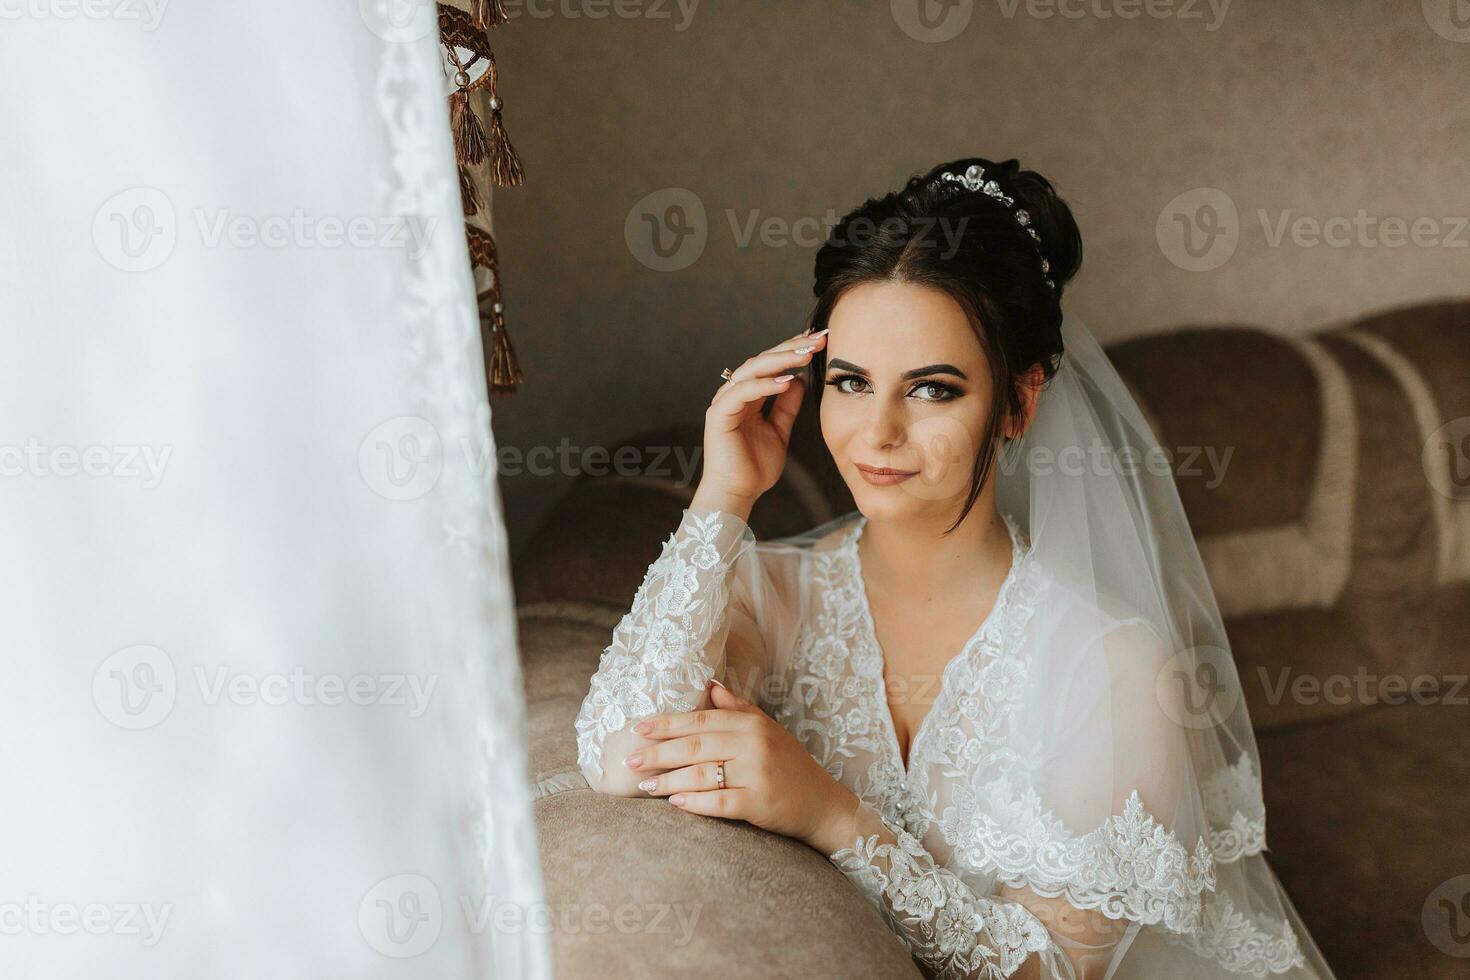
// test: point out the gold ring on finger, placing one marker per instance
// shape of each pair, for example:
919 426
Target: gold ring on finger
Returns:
719 775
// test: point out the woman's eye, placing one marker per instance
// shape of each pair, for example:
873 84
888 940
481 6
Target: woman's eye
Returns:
848 384
934 391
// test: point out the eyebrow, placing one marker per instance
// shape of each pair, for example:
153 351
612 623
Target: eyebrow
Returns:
922 372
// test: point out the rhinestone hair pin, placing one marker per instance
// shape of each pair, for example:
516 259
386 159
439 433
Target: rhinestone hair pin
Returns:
973 179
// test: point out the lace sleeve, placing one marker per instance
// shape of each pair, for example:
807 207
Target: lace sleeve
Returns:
671 642
953 933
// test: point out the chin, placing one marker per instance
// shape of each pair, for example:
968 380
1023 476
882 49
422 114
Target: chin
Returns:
891 503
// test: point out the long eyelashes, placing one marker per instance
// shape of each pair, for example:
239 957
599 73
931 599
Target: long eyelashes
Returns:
939 391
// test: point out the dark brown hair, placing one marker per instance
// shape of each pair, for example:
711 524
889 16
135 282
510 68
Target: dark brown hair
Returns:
937 233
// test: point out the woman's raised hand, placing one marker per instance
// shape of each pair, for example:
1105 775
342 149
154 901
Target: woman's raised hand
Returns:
744 451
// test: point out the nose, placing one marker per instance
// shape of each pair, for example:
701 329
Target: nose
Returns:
886 427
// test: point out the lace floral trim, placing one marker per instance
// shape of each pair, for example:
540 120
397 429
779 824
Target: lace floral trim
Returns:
1234 803
1129 867
999 631
657 654
1240 945
943 924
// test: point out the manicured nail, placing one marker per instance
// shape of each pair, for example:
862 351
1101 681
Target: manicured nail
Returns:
634 761
820 332
677 799
783 378
643 727
716 681
807 349
648 785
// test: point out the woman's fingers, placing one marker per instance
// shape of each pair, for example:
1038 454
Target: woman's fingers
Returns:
700 776
687 722
784 358
731 401
686 750
727 803
785 407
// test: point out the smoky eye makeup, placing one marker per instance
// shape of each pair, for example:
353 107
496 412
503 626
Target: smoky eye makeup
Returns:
927 390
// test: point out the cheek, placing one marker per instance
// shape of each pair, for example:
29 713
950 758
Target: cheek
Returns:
836 426
945 443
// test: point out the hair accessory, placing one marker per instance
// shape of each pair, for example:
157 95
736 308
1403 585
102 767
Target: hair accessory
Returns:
973 179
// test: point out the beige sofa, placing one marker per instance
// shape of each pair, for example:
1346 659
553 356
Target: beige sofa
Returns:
1333 551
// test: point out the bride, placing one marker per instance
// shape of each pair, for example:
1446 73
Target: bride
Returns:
998 696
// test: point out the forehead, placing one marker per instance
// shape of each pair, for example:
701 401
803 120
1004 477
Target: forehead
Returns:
896 325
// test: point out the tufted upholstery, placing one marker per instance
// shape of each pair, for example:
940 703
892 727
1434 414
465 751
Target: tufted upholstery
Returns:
1330 551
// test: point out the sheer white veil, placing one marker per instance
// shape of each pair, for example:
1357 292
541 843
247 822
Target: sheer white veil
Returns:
1122 771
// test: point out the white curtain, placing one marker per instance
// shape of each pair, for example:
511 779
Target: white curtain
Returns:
262 711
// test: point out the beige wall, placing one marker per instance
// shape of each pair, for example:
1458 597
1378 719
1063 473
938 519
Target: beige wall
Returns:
784 109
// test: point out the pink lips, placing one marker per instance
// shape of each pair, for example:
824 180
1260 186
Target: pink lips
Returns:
884 476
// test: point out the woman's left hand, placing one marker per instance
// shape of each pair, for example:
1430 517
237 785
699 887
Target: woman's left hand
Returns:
771 780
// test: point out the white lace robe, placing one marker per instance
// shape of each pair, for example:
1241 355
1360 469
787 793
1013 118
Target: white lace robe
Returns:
971 896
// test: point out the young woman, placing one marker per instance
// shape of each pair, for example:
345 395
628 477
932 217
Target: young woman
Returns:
998 696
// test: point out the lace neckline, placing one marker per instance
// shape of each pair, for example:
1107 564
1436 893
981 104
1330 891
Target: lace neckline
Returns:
875 663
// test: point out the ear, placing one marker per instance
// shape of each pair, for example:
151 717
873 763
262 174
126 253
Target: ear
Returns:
1028 388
